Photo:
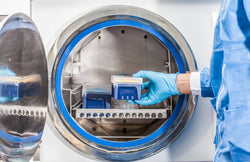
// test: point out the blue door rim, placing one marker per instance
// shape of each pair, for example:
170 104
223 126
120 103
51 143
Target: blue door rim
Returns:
67 51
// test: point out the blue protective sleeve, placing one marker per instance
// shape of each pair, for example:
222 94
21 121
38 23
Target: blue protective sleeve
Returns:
206 87
230 78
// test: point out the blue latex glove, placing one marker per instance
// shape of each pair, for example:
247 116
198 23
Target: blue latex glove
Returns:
160 85
7 72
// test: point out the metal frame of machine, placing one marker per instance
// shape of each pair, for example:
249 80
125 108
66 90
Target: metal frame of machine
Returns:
70 131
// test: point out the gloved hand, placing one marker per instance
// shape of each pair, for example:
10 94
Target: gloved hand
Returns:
160 85
7 72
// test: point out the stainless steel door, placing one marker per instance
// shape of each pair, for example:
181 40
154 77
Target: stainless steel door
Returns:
23 88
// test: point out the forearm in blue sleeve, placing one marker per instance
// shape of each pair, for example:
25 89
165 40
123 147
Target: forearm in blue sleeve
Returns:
205 80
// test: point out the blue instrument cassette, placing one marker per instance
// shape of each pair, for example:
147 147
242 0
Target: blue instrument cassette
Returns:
96 96
126 87
13 86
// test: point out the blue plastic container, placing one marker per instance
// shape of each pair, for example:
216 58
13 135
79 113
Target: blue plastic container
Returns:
19 86
96 98
9 89
126 91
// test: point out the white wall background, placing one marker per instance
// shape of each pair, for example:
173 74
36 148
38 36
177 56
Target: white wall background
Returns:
193 18
12 6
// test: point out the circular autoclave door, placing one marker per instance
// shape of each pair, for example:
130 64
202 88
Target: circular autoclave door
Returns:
23 88
110 41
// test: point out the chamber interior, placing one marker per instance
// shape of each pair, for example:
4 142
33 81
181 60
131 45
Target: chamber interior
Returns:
111 51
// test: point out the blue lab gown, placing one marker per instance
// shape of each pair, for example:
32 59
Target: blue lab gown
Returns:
228 81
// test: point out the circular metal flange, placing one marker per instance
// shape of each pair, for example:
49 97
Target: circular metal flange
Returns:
67 128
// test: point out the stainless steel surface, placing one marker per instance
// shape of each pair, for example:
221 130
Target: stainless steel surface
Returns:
116 50
22 121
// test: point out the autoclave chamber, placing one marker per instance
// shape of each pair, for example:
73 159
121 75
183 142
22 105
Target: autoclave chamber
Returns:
109 41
